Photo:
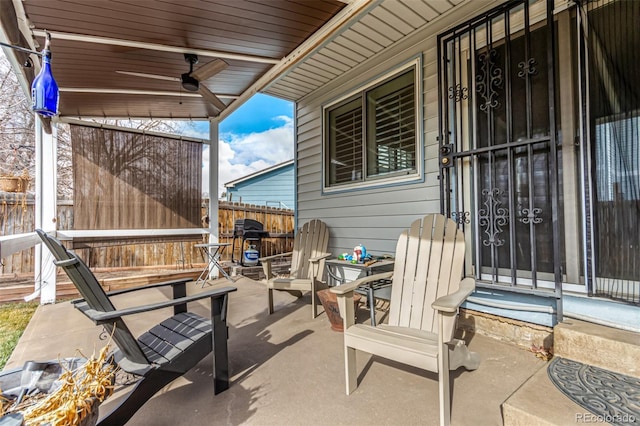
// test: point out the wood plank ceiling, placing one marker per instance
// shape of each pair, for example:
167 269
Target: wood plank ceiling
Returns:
93 40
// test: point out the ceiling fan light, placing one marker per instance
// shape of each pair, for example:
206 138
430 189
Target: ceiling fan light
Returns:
189 83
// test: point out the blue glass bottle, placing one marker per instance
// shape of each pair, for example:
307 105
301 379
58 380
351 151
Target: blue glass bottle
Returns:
44 89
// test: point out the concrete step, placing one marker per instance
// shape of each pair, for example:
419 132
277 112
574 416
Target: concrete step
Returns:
539 402
605 347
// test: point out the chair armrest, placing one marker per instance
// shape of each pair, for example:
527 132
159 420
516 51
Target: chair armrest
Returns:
344 294
99 317
275 256
451 302
316 270
319 258
266 263
146 287
172 283
342 289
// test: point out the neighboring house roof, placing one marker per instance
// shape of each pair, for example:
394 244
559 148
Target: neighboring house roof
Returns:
257 174
273 185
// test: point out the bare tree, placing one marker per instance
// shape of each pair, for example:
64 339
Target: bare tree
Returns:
17 140
64 164
17 135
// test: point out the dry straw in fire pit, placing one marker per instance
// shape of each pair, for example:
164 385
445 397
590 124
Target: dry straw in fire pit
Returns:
76 400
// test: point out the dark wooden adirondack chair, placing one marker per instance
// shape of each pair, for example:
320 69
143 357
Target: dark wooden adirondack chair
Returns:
166 351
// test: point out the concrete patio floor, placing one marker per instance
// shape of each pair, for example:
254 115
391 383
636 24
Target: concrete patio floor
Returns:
287 369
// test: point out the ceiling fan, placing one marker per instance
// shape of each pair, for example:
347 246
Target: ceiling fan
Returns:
191 80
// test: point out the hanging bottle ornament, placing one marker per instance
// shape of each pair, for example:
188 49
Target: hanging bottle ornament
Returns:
44 89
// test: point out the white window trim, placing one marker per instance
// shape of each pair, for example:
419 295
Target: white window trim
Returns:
395 177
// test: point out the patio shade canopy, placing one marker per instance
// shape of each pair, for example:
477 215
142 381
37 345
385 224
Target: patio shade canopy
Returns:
100 48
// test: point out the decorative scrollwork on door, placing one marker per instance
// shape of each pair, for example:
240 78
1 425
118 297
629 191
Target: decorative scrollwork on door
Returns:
527 67
531 216
461 218
458 93
493 217
489 80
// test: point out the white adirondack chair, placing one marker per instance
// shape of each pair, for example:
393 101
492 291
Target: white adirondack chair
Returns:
426 292
307 264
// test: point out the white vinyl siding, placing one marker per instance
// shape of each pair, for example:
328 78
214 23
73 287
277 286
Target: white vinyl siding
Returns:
375 216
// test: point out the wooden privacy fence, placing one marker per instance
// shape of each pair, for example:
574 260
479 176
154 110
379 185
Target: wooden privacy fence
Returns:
17 216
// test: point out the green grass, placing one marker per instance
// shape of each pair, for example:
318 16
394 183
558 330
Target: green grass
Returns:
14 318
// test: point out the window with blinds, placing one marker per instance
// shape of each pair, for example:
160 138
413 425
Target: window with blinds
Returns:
391 122
345 131
371 135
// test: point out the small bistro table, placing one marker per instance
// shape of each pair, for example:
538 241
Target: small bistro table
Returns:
212 252
342 271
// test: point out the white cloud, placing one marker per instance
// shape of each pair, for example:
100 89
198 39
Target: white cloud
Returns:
240 155
273 145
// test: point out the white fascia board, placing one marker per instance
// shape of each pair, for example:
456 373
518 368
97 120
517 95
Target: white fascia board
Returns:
326 32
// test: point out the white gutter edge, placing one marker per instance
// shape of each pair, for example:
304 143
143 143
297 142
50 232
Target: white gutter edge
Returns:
319 37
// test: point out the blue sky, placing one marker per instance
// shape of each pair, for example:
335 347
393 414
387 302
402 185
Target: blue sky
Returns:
257 135
256 115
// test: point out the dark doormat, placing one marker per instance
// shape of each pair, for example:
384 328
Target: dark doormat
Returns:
611 397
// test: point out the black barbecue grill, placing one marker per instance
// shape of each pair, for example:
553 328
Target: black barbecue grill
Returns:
247 230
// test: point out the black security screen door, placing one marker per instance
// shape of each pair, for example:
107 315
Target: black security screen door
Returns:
613 41
499 160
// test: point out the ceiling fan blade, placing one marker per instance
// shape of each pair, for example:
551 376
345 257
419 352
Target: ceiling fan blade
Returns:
209 69
154 76
213 99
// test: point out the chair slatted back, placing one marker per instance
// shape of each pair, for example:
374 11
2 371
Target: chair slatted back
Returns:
429 264
311 240
95 296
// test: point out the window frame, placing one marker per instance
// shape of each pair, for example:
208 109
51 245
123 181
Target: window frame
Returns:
360 92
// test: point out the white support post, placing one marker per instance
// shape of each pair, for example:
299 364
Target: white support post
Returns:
213 188
45 209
